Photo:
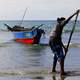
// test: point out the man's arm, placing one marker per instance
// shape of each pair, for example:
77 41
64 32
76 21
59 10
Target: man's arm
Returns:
66 21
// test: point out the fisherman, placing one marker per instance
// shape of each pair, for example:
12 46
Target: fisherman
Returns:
40 32
56 43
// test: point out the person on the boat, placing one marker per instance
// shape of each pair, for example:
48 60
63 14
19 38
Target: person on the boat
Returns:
56 44
38 36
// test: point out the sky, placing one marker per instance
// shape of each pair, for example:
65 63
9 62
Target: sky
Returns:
37 9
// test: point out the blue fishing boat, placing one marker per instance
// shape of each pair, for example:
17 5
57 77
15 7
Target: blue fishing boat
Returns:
26 35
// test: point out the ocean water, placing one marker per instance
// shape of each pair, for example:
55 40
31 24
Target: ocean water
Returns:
34 62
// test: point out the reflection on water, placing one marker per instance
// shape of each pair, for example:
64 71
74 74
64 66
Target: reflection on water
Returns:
59 78
47 77
34 62
20 56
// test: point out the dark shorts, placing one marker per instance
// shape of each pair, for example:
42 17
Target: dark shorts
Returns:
56 49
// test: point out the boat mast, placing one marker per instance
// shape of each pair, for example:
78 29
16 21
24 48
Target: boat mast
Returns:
23 17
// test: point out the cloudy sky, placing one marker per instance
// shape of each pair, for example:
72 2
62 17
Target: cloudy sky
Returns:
37 9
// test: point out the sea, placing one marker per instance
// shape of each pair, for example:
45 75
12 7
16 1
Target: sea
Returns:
20 61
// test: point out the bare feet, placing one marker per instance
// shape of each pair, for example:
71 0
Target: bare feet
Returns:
63 73
53 70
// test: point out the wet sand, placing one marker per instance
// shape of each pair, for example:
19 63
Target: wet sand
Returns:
39 75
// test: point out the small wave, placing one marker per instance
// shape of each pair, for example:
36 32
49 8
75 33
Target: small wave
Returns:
24 73
74 44
68 31
39 73
6 36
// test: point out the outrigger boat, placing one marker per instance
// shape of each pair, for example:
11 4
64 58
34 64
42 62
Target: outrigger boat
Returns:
26 35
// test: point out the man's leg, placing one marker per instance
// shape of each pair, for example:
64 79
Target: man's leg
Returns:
54 63
62 66
61 58
52 46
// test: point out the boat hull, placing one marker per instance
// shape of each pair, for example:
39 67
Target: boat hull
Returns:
26 41
28 37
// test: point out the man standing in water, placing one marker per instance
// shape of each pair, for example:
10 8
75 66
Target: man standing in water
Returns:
56 44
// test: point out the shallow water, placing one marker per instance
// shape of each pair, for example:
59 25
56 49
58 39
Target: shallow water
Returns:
34 62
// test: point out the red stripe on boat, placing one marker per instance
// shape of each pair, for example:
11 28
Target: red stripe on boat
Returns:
26 41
